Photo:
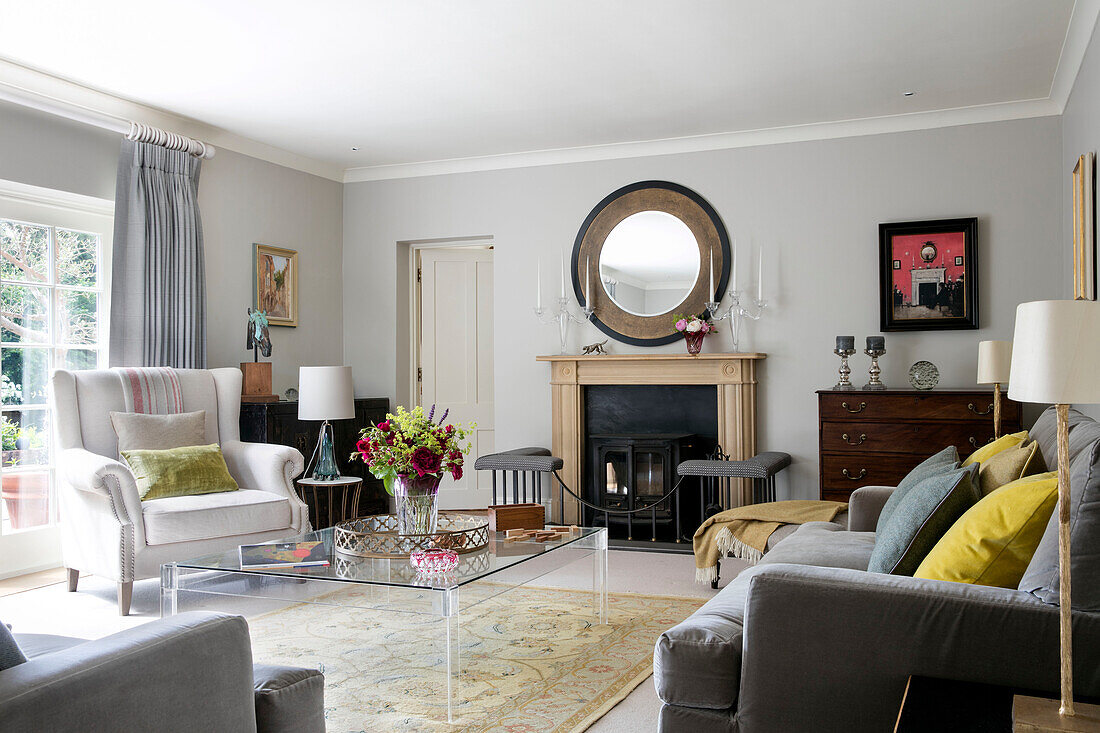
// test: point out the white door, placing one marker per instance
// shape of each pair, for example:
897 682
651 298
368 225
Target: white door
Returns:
456 356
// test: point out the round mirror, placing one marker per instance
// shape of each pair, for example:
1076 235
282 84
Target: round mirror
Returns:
649 263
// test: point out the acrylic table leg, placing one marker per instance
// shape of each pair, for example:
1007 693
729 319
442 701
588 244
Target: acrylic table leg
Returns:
446 603
599 576
169 588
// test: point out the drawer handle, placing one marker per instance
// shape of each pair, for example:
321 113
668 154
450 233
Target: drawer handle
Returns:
850 477
862 437
976 411
974 441
861 408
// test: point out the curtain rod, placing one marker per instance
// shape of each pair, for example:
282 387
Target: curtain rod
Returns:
131 130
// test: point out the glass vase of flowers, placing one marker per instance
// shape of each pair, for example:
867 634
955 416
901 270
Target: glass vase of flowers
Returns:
410 452
694 329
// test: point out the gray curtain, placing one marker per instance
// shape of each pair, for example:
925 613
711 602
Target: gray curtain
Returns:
158 282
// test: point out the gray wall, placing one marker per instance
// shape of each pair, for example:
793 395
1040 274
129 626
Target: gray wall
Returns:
243 200
815 206
1080 134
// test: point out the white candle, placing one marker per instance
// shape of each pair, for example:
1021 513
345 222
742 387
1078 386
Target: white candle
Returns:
710 294
538 283
587 285
562 253
760 275
733 267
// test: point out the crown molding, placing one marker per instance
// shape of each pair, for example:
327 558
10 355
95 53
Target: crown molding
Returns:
1082 23
32 88
719 141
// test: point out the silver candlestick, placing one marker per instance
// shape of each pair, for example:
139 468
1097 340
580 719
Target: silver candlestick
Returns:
874 371
845 370
563 316
736 314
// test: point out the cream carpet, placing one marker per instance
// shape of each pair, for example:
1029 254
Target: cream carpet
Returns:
533 660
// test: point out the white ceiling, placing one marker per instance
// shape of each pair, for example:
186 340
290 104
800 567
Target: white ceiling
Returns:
432 80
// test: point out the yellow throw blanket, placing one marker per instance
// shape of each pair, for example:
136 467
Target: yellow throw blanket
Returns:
744 531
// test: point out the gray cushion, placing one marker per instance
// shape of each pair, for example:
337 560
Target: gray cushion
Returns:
1041 576
36 645
1045 433
921 518
946 460
823 544
137 431
10 654
289 699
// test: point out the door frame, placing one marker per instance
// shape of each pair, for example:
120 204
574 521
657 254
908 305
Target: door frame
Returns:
414 315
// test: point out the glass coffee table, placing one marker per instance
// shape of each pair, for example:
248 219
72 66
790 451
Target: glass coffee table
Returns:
386 585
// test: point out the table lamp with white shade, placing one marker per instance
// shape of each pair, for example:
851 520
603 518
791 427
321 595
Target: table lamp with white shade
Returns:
325 393
994 362
1056 350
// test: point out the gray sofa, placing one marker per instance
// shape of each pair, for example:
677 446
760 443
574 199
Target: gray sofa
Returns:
808 640
191 672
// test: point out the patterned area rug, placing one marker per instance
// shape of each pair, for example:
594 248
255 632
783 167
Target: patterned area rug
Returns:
533 659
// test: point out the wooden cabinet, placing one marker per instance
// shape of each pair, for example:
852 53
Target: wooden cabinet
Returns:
277 422
873 438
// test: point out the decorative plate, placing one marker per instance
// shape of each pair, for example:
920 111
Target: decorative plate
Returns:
924 375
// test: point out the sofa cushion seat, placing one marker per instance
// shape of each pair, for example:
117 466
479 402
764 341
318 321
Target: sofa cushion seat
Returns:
37 645
823 544
206 516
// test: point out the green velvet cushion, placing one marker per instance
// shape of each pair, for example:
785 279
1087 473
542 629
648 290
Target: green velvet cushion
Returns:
921 518
942 462
194 469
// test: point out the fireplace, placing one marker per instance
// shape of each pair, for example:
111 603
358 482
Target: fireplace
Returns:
634 472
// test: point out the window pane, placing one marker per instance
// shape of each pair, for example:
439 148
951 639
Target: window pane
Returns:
25 248
24 314
74 359
25 438
25 372
76 317
77 258
26 499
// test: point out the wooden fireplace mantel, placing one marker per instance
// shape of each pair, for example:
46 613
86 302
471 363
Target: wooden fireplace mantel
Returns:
734 376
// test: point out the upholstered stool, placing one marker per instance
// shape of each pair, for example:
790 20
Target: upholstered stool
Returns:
761 468
521 463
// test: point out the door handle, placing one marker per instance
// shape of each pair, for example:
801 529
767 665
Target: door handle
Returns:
862 437
850 477
861 408
976 411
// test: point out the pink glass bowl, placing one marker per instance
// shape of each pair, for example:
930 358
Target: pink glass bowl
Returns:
434 561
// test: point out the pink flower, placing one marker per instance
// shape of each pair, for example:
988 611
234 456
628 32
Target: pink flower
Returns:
681 324
456 471
384 426
424 461
363 446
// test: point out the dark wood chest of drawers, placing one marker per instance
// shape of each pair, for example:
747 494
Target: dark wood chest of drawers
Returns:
277 422
874 438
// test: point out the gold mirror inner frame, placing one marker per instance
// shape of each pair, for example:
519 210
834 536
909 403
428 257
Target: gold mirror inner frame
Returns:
635 256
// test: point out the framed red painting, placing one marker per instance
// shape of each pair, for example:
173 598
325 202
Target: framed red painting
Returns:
928 275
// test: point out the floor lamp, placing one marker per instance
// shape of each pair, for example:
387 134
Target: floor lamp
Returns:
994 361
1056 349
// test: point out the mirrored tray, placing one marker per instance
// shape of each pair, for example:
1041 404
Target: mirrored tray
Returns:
376 536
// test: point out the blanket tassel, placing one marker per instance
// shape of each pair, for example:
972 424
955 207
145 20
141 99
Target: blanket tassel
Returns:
730 545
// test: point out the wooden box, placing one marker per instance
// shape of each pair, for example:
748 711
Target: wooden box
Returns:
516 516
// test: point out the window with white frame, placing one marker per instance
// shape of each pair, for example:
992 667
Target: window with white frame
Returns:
52 316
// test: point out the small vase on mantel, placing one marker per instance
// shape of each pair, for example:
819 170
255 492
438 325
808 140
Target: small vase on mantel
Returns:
694 342
417 500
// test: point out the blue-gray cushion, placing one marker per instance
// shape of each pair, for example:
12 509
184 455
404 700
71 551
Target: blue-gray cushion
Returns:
921 518
10 653
1041 576
942 462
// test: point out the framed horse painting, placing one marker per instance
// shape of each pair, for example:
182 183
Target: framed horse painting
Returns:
275 284
928 275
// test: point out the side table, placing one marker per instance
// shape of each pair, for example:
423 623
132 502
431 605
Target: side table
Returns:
349 486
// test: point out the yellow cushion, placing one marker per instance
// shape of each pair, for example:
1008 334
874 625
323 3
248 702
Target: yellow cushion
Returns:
991 449
1010 464
992 543
195 469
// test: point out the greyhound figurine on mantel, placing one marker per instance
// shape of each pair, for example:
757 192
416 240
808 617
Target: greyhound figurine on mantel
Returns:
596 348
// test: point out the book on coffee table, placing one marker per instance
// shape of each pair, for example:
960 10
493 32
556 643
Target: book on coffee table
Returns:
283 555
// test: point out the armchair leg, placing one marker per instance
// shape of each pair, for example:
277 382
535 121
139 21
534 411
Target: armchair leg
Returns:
74 578
125 593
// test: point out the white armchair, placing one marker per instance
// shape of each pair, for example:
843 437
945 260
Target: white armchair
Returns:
108 531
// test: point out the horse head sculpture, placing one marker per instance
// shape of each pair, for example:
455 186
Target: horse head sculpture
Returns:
258 338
